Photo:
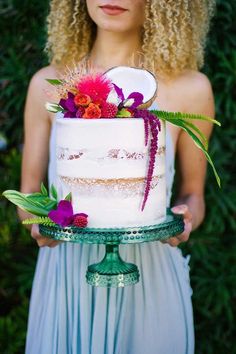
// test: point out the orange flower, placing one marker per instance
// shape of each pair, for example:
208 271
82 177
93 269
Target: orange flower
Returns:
82 100
92 111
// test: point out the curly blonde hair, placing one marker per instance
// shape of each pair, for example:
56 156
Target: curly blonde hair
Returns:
174 33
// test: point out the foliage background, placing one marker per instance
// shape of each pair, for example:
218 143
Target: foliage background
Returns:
212 247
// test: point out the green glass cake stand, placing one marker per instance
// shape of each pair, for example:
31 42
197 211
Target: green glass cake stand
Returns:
112 271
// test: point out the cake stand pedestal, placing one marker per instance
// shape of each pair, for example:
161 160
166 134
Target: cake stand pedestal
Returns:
112 271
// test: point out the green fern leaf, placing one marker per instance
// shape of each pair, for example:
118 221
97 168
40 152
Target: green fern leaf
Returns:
41 220
171 116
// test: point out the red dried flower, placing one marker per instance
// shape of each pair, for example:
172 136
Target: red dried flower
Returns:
153 122
92 111
82 100
109 110
80 220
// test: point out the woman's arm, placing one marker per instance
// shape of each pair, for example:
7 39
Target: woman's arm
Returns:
37 125
36 136
192 163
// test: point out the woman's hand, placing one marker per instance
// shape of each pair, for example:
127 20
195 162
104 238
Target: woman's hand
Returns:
187 216
41 240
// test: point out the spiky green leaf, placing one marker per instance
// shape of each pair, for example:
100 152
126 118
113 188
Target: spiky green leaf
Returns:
202 137
53 192
44 189
68 197
198 143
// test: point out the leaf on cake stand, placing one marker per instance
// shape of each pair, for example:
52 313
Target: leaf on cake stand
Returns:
35 203
53 192
41 220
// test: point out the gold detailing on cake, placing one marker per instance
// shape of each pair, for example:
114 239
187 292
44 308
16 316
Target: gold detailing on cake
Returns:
66 154
115 186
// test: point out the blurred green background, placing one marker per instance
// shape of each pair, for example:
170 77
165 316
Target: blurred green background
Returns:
212 247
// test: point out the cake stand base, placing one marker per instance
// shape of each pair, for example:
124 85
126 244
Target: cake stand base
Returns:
112 271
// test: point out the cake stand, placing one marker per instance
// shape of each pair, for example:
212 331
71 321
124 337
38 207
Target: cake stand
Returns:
112 271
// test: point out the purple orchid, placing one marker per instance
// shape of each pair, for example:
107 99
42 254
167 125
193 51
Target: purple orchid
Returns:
69 106
132 101
64 216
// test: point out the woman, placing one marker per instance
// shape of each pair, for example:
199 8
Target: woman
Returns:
154 316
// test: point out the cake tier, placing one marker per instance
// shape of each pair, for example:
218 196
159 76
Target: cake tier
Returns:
103 163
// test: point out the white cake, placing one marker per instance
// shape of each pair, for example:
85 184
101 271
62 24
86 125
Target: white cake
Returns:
103 163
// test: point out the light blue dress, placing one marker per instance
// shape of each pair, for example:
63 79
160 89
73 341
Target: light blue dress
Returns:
68 316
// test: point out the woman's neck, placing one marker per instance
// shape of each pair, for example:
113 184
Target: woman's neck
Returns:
112 49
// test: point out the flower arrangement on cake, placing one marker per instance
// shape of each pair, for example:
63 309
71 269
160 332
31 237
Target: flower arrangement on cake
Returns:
120 93
47 208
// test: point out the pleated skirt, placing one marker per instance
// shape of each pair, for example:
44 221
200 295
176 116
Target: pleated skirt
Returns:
68 316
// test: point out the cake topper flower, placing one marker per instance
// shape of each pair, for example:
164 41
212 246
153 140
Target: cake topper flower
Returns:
88 98
96 86
69 106
134 99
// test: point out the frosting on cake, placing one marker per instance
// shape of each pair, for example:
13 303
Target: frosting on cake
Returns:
103 163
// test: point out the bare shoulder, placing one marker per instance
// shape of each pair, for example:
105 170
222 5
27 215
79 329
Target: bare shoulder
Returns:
39 92
43 73
195 79
194 91
195 83
38 81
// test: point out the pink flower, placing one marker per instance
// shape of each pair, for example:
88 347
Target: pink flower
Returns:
97 87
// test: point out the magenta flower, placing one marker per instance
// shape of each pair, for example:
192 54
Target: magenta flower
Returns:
132 101
63 215
69 106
